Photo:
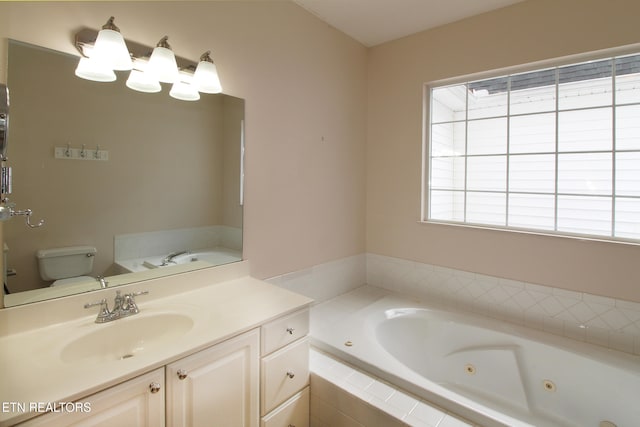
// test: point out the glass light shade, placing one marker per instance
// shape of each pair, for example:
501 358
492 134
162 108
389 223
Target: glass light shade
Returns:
111 49
184 91
92 69
206 79
163 66
143 82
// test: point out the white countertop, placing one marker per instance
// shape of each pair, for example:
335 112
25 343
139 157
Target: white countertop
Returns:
32 371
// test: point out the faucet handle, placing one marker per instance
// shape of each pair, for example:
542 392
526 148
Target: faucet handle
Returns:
103 281
104 313
130 302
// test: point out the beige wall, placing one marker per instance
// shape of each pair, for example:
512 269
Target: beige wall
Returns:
305 90
531 31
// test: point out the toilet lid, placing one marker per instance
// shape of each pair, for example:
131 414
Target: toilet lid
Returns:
72 280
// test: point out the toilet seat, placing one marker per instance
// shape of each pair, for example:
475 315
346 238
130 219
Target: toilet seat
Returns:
73 280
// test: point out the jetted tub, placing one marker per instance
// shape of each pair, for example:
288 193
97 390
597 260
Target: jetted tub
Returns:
214 256
489 372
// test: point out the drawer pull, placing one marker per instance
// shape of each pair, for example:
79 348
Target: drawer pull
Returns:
290 374
154 387
290 330
182 374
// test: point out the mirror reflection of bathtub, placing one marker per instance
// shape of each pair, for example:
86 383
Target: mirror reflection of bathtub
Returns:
159 250
211 256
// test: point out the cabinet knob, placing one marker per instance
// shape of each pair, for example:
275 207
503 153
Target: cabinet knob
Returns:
290 330
182 374
154 387
291 374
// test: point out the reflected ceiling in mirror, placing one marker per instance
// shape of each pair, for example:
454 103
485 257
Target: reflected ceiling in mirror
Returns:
138 176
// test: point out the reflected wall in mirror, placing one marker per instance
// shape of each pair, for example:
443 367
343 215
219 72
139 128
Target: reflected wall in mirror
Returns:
168 177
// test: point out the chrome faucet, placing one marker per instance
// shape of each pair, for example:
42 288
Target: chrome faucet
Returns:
169 258
103 282
123 306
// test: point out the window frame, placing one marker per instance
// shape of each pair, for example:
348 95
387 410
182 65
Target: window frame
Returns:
426 158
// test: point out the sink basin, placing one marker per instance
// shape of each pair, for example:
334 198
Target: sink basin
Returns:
125 338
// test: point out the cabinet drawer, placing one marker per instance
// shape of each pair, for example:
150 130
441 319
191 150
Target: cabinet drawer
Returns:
294 412
285 330
284 373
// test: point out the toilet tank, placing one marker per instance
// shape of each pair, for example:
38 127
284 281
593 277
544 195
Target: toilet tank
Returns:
62 263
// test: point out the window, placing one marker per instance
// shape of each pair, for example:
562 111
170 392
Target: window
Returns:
554 150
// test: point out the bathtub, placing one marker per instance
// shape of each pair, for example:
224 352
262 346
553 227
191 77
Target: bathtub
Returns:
490 372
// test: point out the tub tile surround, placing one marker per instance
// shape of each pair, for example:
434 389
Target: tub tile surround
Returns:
342 395
325 281
603 321
584 317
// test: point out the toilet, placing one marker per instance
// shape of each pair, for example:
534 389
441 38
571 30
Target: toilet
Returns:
66 265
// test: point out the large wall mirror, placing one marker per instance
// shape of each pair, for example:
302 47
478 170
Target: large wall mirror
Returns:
137 176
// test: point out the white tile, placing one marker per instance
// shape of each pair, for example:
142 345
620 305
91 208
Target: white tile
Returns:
553 326
615 319
622 342
567 301
597 336
524 300
551 306
632 315
380 390
598 307
599 300
388 408
582 312
511 283
340 372
498 294
534 318
450 421
630 305
360 380
538 288
632 329
575 331
402 401
416 422
427 413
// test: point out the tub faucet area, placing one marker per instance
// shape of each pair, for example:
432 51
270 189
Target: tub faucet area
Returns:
169 258
103 282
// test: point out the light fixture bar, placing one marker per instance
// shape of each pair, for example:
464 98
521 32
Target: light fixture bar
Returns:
86 38
148 67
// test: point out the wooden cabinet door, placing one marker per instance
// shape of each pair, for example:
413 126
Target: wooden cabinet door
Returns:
218 386
139 402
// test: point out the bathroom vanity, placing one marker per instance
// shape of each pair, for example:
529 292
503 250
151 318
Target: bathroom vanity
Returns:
229 350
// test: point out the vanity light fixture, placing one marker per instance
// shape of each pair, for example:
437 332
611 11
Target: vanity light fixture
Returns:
110 48
162 64
206 78
183 89
148 67
140 80
91 69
